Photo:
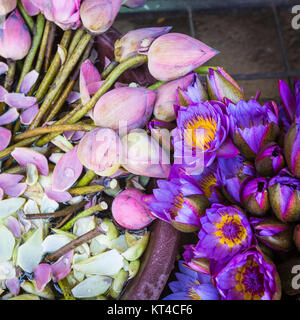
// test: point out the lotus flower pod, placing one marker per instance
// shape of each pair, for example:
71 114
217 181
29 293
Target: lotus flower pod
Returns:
220 86
174 55
30 6
26 155
130 211
284 195
292 149
269 160
166 98
98 15
15 40
296 236
5 138
6 6
142 155
100 151
255 196
273 233
67 171
124 108
137 41
133 3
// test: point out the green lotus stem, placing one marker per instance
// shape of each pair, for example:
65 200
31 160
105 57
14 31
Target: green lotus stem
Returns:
49 45
80 215
109 69
86 179
67 69
78 35
82 191
156 85
41 56
28 19
9 80
17 127
55 128
54 68
6 152
204 69
65 288
109 81
15 170
38 33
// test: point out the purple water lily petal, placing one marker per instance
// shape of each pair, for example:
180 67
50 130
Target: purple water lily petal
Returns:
73 97
5 138
28 81
29 114
19 100
26 155
9 116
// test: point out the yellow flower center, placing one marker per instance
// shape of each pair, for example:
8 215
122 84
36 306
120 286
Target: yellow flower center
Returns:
206 184
177 204
193 295
200 131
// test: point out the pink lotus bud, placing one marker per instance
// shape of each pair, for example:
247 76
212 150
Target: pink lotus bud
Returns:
15 40
6 6
67 171
26 155
137 41
98 15
166 98
133 3
30 7
125 107
5 138
130 211
99 150
142 155
174 55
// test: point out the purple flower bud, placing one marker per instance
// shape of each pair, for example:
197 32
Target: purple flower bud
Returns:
166 98
273 233
292 149
137 41
98 15
174 55
269 160
6 6
142 155
193 261
130 211
124 108
255 196
133 3
284 195
99 150
15 39
220 85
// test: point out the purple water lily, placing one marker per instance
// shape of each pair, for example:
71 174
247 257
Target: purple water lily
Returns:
225 231
252 126
248 276
191 285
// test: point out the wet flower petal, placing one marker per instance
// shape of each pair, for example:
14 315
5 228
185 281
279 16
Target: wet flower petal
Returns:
5 138
29 114
28 81
19 100
9 116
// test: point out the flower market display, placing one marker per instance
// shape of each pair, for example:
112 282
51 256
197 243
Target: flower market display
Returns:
104 134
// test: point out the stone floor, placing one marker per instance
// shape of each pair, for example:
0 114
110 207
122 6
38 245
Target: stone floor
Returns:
248 43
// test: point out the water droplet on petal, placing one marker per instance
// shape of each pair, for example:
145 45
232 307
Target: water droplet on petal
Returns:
69 173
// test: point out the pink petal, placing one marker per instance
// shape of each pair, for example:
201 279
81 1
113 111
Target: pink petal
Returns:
73 96
94 87
9 116
228 150
1 193
14 226
77 135
30 8
28 81
3 68
91 203
19 100
8 180
3 94
58 196
69 134
26 155
42 275
29 114
62 267
13 286
106 62
16 190
5 135
67 171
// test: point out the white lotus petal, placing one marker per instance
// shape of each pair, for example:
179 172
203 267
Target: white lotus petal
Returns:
35 193
31 252
79 276
108 263
84 225
7 243
7 270
31 207
75 200
46 181
32 174
62 143
54 242
62 52
83 249
30 287
99 245
92 287
10 206
48 205
55 157
119 243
